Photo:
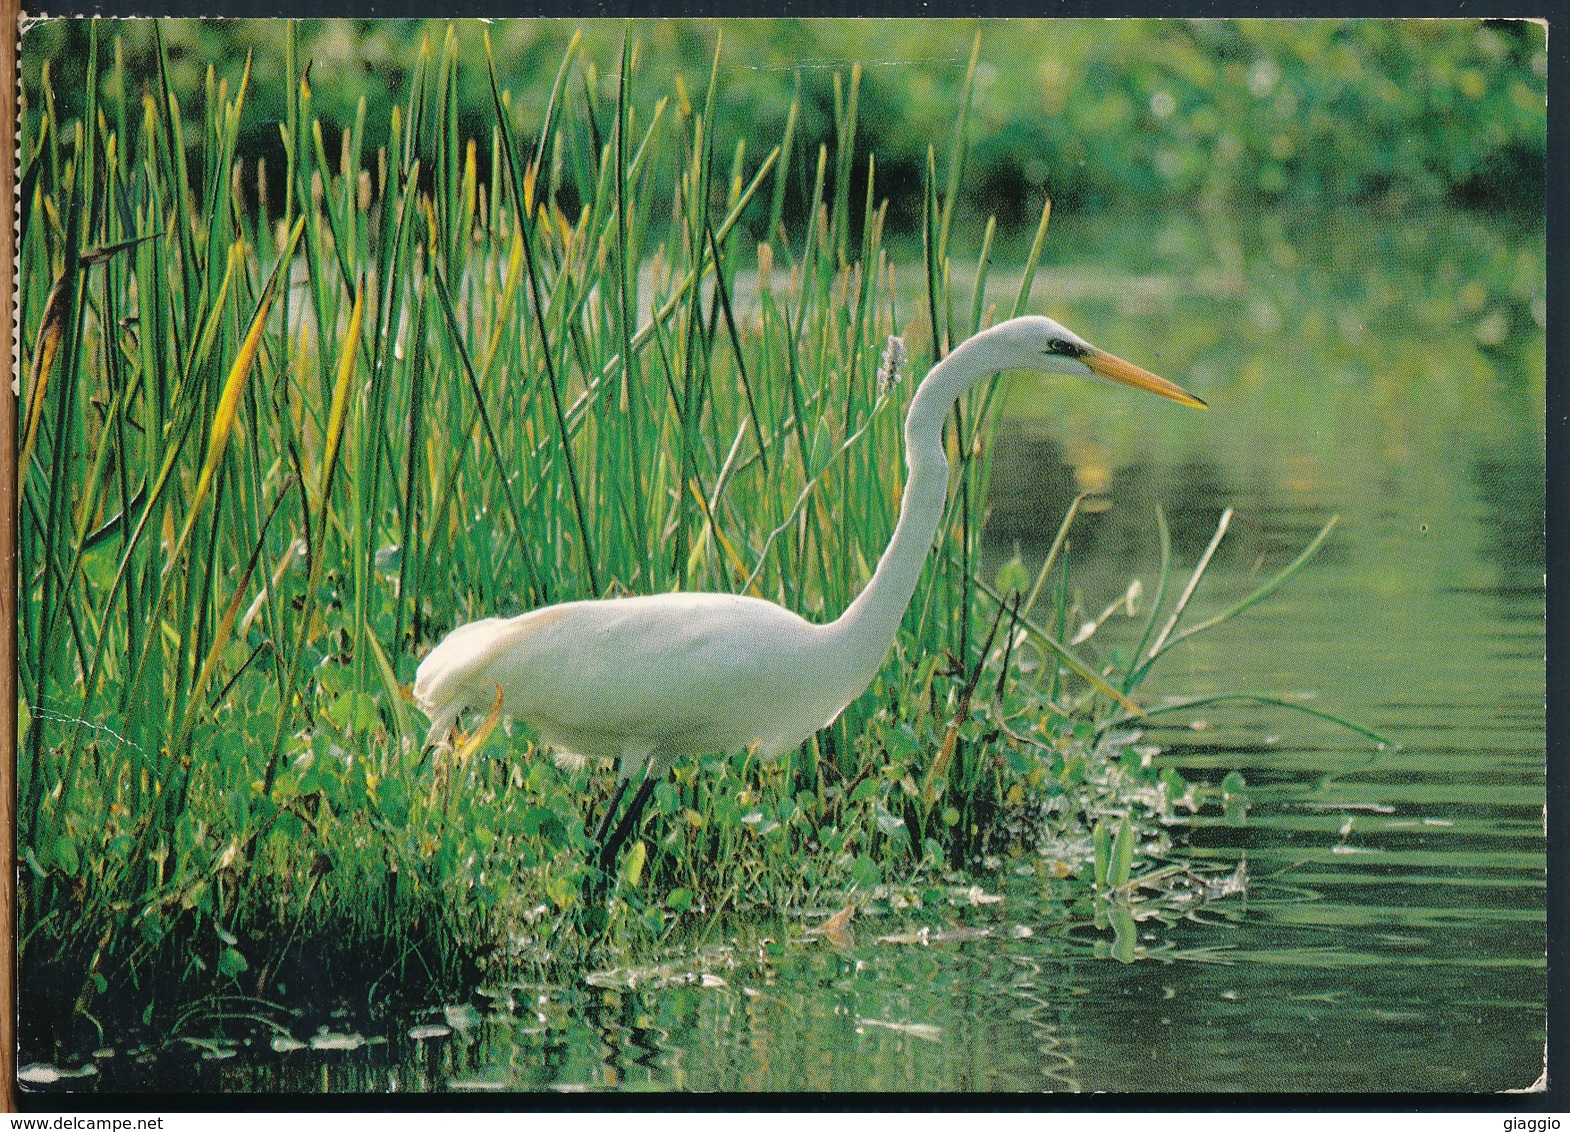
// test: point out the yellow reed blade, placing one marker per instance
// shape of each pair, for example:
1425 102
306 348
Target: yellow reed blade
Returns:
340 405
229 400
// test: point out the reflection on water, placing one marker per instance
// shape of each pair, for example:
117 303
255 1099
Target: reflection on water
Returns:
1510 493
1393 935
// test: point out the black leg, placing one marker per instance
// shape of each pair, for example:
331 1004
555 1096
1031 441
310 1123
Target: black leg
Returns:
609 849
610 810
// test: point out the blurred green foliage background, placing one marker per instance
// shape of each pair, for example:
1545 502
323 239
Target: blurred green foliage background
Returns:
1125 116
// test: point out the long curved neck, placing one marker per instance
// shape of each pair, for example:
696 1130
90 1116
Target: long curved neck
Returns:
864 633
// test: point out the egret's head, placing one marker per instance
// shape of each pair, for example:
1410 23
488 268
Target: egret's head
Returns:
1038 343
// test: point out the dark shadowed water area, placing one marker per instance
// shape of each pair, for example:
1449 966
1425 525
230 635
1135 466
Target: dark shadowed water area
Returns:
1391 936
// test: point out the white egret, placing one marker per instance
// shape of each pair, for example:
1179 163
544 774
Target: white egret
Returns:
648 680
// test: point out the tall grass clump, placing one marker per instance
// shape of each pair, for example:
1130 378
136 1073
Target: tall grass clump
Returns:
275 445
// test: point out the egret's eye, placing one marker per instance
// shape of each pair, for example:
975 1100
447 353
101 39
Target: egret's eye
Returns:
1064 347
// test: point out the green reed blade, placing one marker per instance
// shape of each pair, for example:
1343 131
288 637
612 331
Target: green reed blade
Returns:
627 310
1192 702
409 505
1028 277
959 148
1257 595
538 306
782 176
1052 553
548 125
723 290
844 158
1193 583
1136 671
83 207
498 453
176 174
397 250
978 297
414 118
929 240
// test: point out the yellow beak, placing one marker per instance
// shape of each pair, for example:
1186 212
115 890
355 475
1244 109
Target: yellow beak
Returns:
1114 368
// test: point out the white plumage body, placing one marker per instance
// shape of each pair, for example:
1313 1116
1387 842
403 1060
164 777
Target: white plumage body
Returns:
666 675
